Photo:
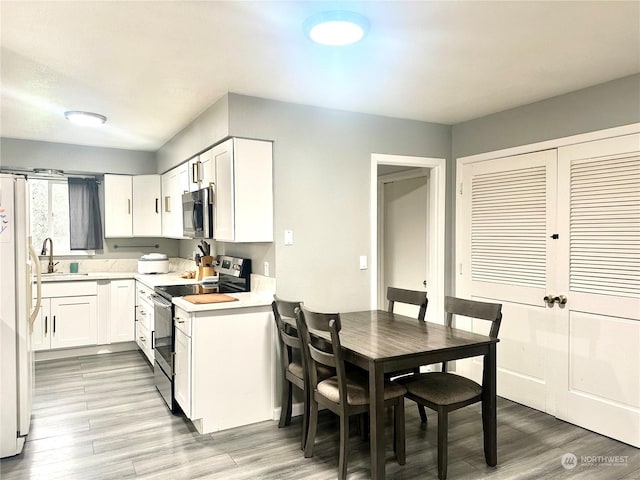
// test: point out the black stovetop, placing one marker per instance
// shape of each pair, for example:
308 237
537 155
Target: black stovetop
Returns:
170 291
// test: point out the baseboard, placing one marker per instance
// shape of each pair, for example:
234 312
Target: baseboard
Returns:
82 351
296 410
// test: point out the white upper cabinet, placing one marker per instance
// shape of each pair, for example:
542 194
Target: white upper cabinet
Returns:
118 206
175 182
243 191
147 220
132 206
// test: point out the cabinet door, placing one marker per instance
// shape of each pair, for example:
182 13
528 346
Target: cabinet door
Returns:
147 221
121 310
74 321
118 208
42 328
174 183
207 169
224 192
253 191
182 366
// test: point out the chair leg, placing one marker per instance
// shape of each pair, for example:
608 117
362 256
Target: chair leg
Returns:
399 432
344 447
423 414
313 427
285 403
363 422
305 418
443 427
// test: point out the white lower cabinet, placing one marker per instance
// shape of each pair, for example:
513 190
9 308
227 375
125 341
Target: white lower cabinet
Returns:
144 323
66 322
122 294
224 371
182 367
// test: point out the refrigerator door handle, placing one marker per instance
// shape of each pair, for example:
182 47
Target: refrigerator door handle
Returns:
36 309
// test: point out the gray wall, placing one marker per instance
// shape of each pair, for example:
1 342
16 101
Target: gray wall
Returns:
208 128
30 154
322 169
607 105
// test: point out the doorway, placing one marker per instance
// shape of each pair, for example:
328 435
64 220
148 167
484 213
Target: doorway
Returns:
409 180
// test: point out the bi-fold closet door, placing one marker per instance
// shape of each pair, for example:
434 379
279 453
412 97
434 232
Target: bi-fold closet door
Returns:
555 237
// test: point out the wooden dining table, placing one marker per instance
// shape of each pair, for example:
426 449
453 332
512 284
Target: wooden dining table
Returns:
382 342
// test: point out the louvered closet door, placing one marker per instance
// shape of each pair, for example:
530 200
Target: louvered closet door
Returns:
599 226
506 256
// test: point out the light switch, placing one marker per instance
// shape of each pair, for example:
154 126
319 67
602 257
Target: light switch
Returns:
288 237
363 262
266 269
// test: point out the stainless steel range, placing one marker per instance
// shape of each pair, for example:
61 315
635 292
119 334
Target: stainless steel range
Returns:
234 276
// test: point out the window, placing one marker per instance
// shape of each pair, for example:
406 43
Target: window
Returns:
50 215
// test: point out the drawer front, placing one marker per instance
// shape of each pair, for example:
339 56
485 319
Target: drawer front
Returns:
143 293
69 289
182 321
144 315
143 339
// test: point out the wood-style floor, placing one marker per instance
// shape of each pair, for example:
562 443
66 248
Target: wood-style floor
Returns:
100 417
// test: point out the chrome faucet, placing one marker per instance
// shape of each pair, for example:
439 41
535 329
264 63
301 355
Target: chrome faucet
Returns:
44 252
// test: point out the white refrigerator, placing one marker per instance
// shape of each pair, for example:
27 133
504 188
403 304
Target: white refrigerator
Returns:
17 313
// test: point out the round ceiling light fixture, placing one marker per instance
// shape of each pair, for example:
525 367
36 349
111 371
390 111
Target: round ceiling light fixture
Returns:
85 119
336 28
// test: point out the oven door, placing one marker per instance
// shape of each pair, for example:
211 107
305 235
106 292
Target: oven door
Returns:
163 333
163 348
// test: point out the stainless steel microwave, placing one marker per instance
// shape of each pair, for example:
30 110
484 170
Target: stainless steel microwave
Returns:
197 214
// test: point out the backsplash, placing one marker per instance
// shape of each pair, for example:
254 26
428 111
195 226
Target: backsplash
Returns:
176 265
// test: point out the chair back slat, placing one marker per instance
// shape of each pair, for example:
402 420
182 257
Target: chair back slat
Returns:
411 297
491 312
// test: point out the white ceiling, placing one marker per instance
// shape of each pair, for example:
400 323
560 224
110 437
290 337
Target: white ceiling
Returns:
152 67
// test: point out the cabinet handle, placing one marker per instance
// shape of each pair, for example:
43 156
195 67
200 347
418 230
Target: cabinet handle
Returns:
180 321
128 206
167 207
152 339
157 205
46 324
54 324
194 178
143 340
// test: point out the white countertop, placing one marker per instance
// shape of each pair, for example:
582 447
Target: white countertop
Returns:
248 299
260 298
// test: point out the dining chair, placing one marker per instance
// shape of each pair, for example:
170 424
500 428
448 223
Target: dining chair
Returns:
292 364
292 369
347 392
445 392
410 297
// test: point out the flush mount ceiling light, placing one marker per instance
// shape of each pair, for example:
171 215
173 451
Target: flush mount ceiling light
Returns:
85 119
336 28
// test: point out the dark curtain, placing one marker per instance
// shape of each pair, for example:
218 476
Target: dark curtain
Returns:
85 222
